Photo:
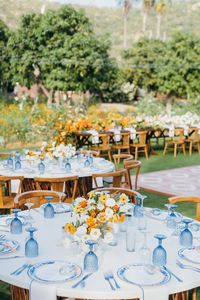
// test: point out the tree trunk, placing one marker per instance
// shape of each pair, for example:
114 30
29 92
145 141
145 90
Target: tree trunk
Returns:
144 21
125 31
47 93
159 16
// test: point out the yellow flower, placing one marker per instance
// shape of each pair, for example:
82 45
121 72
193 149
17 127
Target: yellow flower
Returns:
102 218
91 194
103 198
79 210
91 221
70 228
123 199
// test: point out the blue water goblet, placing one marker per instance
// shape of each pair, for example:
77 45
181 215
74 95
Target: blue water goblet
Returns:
159 253
171 219
10 163
31 246
186 237
16 224
87 162
41 167
68 166
90 263
18 164
49 210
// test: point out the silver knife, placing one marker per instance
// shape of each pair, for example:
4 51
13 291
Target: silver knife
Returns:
174 275
82 280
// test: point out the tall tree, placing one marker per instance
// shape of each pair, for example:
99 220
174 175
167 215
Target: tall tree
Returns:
160 8
126 7
61 47
146 7
4 59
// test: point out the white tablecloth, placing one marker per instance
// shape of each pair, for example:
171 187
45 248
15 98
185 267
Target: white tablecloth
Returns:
50 236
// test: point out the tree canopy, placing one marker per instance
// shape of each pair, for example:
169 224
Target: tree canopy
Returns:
172 67
4 60
63 47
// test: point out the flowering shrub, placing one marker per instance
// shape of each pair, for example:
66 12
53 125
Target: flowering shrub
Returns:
92 218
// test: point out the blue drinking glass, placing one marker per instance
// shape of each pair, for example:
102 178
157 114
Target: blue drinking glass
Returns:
171 219
10 162
159 253
68 166
90 158
138 211
49 210
18 164
41 167
186 237
16 224
87 162
90 263
31 246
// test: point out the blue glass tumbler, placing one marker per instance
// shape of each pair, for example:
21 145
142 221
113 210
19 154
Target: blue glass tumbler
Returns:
49 210
31 246
171 219
41 167
159 253
138 211
186 237
90 263
16 224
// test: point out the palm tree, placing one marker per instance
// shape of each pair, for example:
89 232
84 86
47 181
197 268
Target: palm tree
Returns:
160 10
147 5
126 6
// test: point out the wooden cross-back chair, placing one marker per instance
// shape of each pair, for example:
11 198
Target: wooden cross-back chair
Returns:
141 146
103 147
124 144
132 165
120 157
116 177
6 195
38 198
178 142
192 199
88 152
193 140
69 185
117 190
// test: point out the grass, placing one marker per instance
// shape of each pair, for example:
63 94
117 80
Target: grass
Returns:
155 163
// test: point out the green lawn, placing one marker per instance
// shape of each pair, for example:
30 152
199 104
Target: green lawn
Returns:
155 163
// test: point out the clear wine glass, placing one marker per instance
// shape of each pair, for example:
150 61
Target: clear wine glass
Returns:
159 253
171 220
29 204
144 251
90 264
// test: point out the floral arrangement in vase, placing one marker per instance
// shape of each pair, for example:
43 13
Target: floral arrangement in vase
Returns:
58 151
94 218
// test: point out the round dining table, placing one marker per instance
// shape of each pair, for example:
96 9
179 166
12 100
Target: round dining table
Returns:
54 245
55 169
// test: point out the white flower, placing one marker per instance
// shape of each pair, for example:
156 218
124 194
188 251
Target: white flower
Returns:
108 237
109 212
124 208
66 242
110 202
95 233
100 206
81 230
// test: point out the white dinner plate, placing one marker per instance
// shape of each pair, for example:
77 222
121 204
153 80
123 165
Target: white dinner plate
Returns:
52 271
190 254
8 246
59 208
136 274
158 214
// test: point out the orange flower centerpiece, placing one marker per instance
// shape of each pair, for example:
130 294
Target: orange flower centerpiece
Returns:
93 218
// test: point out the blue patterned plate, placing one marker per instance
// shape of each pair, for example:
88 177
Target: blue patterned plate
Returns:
136 274
59 208
8 246
191 254
52 271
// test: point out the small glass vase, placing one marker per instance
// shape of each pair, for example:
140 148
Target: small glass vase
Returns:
91 263
49 210
186 237
16 224
159 253
31 246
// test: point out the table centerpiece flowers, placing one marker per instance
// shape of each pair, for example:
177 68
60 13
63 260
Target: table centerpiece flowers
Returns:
58 151
94 218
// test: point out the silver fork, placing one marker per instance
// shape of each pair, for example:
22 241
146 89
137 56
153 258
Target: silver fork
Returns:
2 236
20 269
182 266
108 278
111 276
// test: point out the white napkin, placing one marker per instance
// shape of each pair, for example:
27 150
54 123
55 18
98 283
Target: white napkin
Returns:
132 132
186 130
95 136
171 131
117 135
40 291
